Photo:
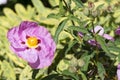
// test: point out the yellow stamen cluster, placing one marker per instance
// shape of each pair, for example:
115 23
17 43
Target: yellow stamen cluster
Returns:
32 42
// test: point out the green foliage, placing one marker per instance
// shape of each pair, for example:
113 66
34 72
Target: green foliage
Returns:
75 58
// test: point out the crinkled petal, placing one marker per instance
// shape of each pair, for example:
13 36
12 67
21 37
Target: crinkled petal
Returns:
106 36
14 38
48 48
30 55
99 30
26 24
42 61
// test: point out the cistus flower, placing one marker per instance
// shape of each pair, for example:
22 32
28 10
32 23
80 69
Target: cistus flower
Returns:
118 71
100 31
117 32
32 43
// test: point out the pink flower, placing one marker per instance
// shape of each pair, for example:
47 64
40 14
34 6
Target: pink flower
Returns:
100 31
118 71
32 43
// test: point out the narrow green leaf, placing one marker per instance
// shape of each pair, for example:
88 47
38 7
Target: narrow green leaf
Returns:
79 29
61 8
59 29
78 3
55 16
101 70
119 57
74 18
70 45
113 48
103 45
50 77
101 41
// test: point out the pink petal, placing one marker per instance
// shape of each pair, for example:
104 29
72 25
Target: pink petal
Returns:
29 55
106 36
118 71
43 61
99 30
80 34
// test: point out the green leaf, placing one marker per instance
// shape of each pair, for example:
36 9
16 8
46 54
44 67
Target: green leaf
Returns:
78 3
86 59
39 6
99 6
41 73
71 17
24 13
54 2
70 45
101 70
15 59
26 74
50 77
102 43
69 74
8 71
59 29
119 57
61 8
82 75
79 29
55 16
11 15
114 48
20 10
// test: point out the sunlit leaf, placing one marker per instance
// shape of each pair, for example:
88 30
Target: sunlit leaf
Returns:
39 6
26 74
8 71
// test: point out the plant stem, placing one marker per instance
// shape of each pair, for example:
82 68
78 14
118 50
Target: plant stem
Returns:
97 45
69 10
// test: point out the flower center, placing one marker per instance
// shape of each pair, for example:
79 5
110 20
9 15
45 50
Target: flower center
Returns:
32 42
